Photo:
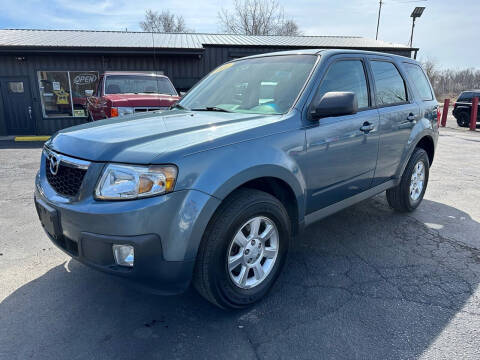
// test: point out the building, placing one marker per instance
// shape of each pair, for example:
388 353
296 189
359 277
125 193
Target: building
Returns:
44 73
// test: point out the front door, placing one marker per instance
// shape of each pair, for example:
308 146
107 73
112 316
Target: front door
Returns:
342 151
17 105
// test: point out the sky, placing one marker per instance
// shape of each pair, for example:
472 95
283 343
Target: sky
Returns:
443 33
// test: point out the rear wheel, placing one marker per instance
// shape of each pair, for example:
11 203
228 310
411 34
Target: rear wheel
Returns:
243 249
463 119
407 195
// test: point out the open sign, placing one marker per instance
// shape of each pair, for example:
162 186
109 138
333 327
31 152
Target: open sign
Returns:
84 79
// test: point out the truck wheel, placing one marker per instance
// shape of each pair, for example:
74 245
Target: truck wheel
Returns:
406 196
243 249
463 119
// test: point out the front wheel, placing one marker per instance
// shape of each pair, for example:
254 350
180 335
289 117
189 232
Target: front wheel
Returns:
243 249
406 196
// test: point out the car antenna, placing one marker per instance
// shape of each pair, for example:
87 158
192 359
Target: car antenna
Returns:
155 63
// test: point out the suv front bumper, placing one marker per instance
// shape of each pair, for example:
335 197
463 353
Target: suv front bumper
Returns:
165 232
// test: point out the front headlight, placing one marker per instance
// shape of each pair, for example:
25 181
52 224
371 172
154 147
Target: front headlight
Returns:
131 182
121 111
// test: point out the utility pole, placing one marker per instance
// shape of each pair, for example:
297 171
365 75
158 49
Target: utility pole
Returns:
378 21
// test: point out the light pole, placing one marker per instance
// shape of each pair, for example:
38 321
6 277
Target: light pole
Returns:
417 12
378 21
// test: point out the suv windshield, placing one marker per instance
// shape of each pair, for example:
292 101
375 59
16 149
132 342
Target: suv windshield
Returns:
138 84
266 85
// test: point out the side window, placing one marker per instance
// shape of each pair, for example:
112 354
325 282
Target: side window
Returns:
346 75
465 97
389 84
417 77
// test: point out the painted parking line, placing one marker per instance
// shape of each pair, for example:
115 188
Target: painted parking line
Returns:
32 138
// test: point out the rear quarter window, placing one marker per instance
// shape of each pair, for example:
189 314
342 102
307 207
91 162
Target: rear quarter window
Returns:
417 77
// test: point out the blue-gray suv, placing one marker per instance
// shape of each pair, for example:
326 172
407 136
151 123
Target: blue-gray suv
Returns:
214 191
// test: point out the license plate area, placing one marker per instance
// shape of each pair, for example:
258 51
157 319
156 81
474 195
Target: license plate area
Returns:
49 219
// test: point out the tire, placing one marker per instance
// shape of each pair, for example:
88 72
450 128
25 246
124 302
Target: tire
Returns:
212 277
463 119
400 198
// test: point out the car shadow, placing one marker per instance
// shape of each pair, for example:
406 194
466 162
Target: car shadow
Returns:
364 283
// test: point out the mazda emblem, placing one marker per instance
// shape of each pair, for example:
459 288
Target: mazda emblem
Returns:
54 164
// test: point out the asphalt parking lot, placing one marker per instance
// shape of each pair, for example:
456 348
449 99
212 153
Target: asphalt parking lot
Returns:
365 283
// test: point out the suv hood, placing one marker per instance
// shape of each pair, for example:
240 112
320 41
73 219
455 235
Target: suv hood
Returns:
150 139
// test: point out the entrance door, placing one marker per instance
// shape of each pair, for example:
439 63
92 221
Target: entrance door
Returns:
17 105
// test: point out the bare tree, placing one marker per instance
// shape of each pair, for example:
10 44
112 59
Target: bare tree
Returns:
431 68
165 22
257 17
449 83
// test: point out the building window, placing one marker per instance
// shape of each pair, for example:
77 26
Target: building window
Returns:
63 92
15 87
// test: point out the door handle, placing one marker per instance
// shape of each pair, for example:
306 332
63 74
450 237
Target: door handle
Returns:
411 117
367 127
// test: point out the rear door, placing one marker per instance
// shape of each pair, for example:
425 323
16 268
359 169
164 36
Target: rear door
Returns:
17 104
424 92
398 113
341 157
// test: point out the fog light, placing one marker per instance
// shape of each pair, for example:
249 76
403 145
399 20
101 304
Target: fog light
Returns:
124 255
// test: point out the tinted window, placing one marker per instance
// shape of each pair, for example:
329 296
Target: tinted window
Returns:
390 87
417 77
346 75
465 96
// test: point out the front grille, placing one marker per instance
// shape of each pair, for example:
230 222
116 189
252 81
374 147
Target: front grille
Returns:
68 179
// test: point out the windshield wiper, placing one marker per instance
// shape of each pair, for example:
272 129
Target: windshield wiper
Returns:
211 108
178 106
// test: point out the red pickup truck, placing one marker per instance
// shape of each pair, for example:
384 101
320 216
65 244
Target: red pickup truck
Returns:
125 93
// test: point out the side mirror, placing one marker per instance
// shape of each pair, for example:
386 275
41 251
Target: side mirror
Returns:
88 93
335 103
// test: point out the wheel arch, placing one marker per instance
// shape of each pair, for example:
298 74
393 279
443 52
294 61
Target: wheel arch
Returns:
426 143
282 191
275 180
425 140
